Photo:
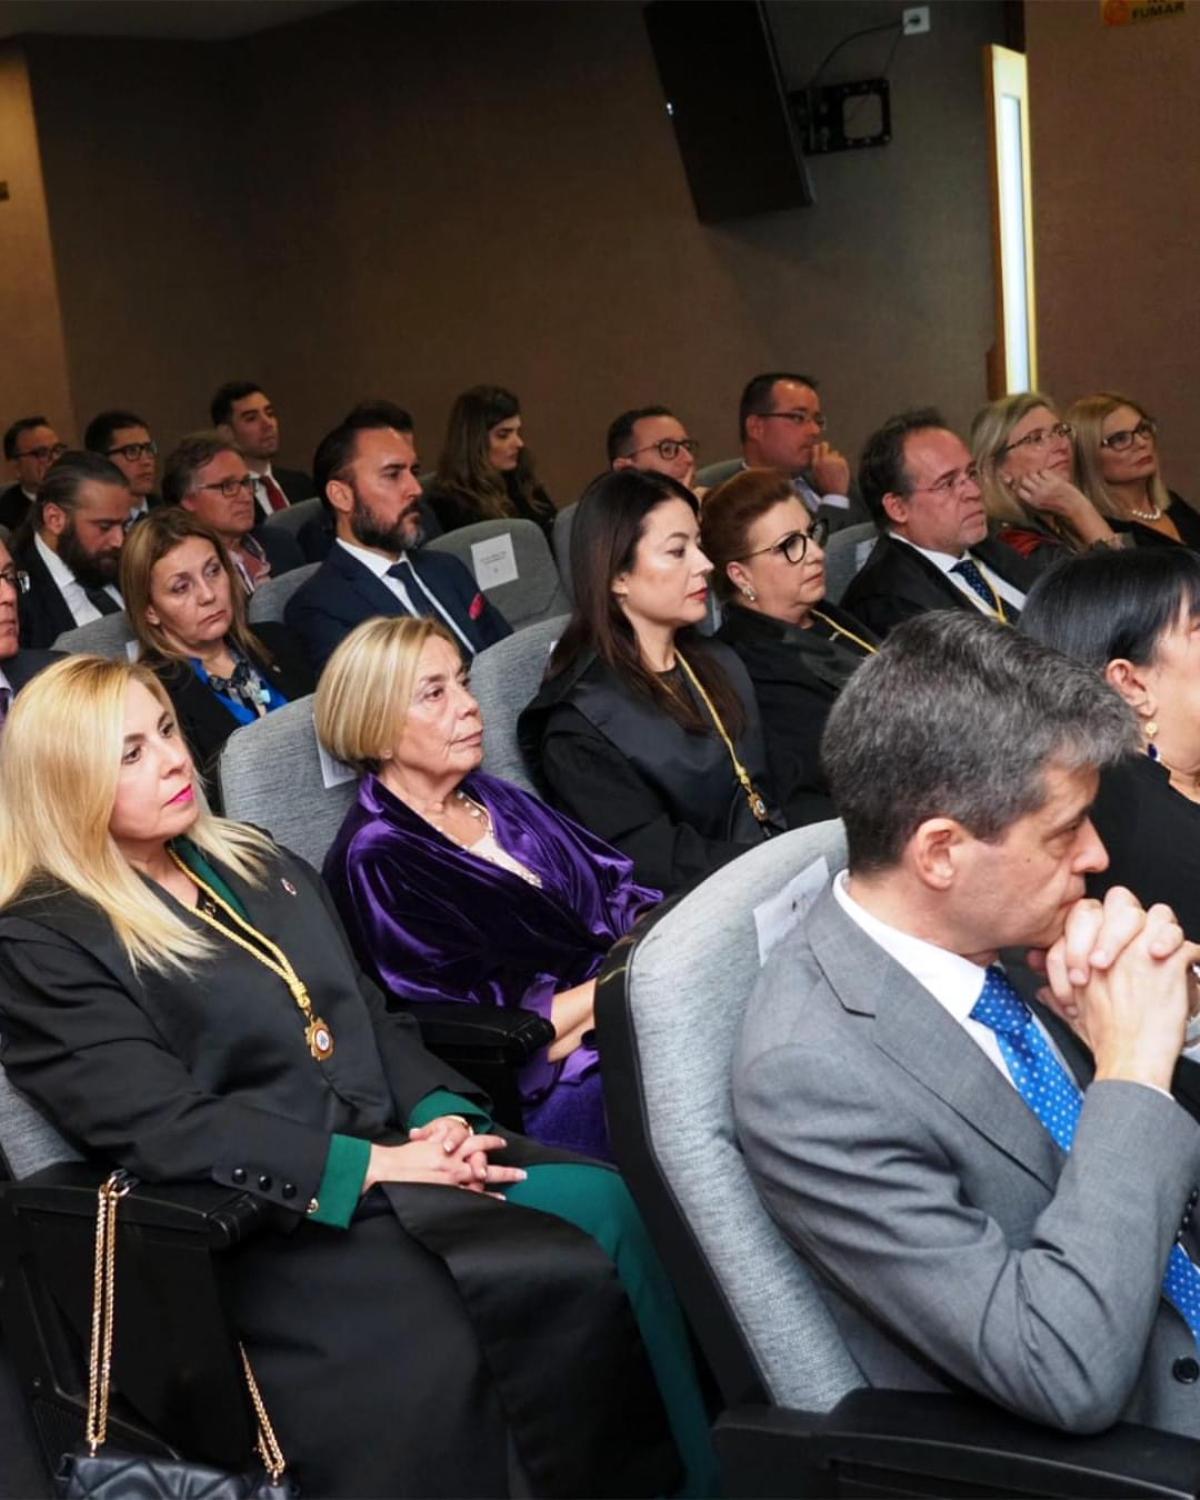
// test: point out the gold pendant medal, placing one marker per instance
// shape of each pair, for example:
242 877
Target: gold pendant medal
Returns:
319 1038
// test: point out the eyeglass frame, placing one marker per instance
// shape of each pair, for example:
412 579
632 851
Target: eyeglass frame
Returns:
224 486
47 453
1038 438
817 532
818 419
15 577
1146 428
948 484
131 452
690 445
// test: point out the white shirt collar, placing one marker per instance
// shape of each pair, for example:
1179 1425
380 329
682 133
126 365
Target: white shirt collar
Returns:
943 560
376 561
58 570
953 981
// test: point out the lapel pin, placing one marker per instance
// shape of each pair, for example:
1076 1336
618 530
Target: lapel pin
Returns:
288 887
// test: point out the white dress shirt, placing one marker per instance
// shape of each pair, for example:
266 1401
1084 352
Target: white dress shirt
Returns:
945 562
261 498
83 611
376 563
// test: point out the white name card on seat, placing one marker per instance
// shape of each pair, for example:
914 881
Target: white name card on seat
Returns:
775 918
494 561
132 648
333 772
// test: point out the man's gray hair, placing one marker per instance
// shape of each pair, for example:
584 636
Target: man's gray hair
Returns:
959 717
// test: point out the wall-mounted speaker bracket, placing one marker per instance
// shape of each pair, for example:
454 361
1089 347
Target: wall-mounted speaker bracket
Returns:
843 116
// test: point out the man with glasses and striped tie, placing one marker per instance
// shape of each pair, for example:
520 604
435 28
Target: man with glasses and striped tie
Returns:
994 1181
934 551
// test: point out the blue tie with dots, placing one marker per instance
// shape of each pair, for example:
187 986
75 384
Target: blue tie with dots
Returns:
969 570
1056 1099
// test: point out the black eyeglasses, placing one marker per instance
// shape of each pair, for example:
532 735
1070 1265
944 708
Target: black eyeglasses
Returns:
669 449
1038 438
798 418
794 546
230 487
131 452
1118 441
47 453
15 579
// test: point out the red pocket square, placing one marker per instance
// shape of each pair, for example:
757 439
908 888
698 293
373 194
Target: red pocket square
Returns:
477 606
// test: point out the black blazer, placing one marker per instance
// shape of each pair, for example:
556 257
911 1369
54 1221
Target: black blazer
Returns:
896 582
44 612
455 509
1187 524
282 548
295 484
204 719
25 665
343 593
15 506
797 675
666 797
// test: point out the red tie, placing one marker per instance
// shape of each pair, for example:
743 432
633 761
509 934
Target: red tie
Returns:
276 499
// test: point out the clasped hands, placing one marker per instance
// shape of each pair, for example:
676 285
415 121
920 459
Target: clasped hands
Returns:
444 1152
1121 977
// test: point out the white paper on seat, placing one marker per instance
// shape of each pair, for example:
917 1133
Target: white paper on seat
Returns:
774 919
494 561
333 772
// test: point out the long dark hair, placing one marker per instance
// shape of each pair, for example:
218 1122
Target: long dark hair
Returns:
609 523
464 468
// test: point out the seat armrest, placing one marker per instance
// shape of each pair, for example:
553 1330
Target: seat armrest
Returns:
918 1444
221 1217
511 1036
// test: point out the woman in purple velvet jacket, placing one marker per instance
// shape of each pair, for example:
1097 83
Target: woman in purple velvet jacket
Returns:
455 885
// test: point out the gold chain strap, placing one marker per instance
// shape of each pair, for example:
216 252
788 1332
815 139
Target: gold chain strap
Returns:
841 630
104 1306
316 1032
753 796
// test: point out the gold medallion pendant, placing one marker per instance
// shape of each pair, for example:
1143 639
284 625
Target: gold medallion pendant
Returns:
319 1038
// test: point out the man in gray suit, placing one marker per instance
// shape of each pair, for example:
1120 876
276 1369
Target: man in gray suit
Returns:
994 1200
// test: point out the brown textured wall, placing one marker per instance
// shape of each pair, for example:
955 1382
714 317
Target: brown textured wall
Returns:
1116 175
406 199
33 371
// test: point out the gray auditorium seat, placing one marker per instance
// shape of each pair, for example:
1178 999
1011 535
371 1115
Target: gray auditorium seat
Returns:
714 474
28 1142
270 773
292 517
535 593
108 636
562 546
504 678
845 553
269 601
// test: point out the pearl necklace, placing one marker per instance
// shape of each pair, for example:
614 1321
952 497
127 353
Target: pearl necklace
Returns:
481 815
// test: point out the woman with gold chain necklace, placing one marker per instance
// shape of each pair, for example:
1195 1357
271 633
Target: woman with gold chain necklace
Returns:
177 995
645 731
798 649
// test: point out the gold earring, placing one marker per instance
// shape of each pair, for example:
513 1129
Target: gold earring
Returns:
1151 728
749 593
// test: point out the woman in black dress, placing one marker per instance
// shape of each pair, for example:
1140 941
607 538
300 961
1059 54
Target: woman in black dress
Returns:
1135 616
177 995
1116 454
644 731
798 649
188 611
485 471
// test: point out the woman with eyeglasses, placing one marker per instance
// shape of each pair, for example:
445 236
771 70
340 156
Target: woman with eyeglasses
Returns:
767 553
1117 456
485 471
644 731
1023 451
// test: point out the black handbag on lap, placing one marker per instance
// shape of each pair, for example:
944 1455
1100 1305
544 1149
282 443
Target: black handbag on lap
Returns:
90 1474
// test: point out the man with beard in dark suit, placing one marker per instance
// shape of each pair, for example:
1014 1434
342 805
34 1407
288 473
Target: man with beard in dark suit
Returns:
73 555
918 479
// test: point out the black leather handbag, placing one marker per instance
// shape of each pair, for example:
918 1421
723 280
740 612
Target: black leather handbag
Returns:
90 1474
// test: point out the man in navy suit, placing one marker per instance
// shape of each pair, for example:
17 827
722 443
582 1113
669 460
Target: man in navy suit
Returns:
365 472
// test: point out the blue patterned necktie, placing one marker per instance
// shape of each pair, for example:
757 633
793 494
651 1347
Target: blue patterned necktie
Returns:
968 569
1055 1098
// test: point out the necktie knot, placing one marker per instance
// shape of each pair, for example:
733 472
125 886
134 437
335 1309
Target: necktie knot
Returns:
999 1006
398 569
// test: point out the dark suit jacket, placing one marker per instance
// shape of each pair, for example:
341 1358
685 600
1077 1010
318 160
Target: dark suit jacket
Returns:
343 593
25 666
282 548
44 612
295 484
896 582
15 505
204 719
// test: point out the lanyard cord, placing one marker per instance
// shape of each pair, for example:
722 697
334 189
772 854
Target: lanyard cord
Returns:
270 955
753 796
841 630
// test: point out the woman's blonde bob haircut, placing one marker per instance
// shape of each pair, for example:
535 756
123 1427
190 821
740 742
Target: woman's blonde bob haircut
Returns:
156 537
60 763
1087 417
367 686
990 432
